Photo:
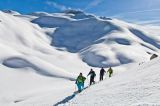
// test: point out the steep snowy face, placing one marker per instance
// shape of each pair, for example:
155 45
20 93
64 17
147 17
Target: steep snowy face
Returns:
100 41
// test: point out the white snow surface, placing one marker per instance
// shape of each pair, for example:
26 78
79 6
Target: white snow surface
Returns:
139 86
42 54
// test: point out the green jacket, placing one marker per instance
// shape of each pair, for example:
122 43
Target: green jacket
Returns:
80 79
110 70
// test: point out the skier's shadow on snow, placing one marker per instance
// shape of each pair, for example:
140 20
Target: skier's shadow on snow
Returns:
65 100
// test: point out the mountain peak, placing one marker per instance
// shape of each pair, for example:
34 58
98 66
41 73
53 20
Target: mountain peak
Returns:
72 11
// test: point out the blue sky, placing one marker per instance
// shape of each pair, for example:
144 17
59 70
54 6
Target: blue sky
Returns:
130 10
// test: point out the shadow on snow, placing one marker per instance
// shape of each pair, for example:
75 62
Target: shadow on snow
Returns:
65 100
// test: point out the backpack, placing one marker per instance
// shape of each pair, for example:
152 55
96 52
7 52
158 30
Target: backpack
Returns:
110 70
93 74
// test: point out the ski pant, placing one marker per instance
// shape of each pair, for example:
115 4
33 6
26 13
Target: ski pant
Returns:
92 80
101 77
80 86
110 74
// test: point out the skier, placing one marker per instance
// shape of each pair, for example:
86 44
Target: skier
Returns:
110 71
102 71
92 76
80 82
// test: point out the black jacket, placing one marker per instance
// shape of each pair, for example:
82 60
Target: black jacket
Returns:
92 73
102 71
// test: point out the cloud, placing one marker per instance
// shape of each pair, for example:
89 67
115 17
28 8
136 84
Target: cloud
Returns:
56 5
149 16
141 14
136 12
142 11
150 22
94 3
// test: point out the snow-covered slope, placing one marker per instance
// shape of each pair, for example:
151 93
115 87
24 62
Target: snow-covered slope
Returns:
139 86
42 53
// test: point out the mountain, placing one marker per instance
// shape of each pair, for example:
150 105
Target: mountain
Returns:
42 53
100 41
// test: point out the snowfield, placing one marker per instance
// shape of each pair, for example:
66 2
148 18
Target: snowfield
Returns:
42 54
